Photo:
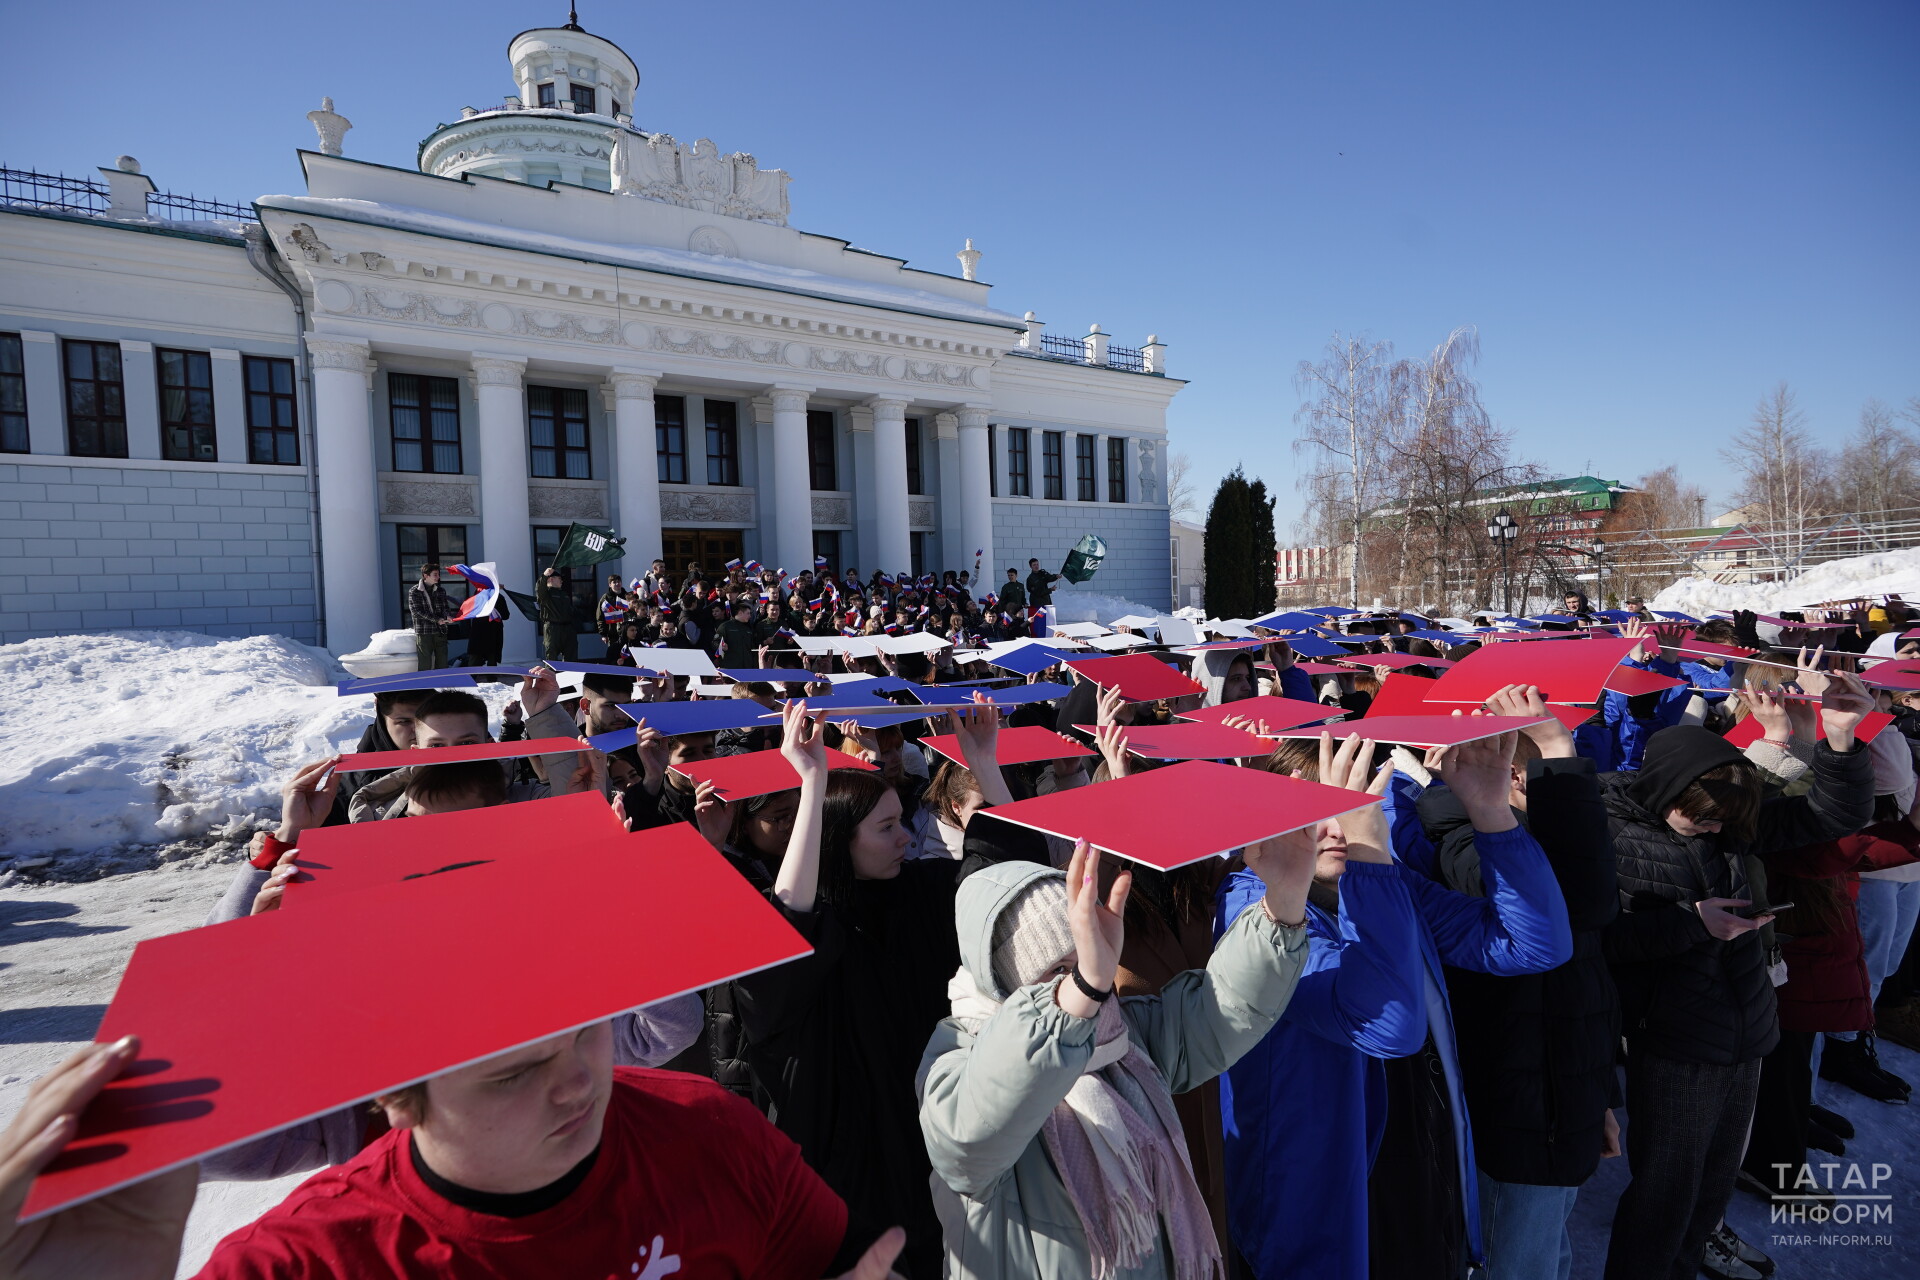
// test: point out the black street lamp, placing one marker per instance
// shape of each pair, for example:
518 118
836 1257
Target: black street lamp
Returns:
1598 553
1503 529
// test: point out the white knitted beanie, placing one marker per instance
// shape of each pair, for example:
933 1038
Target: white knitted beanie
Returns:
1031 935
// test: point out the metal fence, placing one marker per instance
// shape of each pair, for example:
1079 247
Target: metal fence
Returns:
1068 348
55 192
1130 358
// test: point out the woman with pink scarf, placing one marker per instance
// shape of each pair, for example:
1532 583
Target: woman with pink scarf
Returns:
1047 1103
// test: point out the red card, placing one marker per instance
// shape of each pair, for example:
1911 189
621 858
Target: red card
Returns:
1571 671
1321 669
1633 681
1395 660
1709 649
757 772
1747 730
1418 731
1024 744
1402 694
1140 677
1190 740
1881 678
398 983
357 761
1169 817
336 859
1276 712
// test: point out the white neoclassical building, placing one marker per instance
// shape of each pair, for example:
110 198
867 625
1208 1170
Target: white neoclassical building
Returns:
557 316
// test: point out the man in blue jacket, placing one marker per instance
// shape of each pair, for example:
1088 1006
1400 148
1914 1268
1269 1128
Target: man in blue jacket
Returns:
1305 1111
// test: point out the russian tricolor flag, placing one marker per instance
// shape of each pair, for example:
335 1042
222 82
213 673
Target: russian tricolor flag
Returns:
486 591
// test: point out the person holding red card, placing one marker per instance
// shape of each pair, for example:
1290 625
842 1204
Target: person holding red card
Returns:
1039 1067
1370 1034
833 1039
1696 995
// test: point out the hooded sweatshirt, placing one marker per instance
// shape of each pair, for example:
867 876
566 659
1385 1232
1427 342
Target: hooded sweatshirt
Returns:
1213 668
986 1093
1684 993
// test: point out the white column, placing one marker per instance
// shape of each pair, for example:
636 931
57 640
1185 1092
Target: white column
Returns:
946 448
506 532
353 587
891 542
792 486
636 467
976 503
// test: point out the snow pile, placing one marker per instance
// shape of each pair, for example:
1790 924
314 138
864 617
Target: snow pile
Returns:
1881 573
1072 605
114 741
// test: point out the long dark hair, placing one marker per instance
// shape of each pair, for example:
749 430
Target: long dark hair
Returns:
852 794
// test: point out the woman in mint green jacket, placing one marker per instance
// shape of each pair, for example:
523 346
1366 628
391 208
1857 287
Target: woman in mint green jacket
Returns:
1047 1105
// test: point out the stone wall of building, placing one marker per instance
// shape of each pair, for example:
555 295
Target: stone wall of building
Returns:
1138 564
227 551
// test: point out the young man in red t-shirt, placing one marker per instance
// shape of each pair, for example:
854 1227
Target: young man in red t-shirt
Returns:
545 1161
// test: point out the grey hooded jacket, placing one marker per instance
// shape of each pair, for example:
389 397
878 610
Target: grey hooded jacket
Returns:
983 1098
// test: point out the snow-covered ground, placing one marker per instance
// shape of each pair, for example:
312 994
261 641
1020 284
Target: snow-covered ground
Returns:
123 749
1882 573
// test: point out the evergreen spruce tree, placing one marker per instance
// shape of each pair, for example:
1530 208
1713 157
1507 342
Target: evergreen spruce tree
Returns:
1265 551
1229 551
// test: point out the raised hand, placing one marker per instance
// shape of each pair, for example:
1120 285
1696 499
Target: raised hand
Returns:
1807 673
979 733
539 690
1111 739
307 798
131 1234
589 774
1481 774
268 899
1108 705
1285 866
711 816
1554 739
655 750
1099 929
1843 705
802 745
1771 713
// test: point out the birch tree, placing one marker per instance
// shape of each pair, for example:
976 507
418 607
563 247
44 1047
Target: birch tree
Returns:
1780 470
1343 421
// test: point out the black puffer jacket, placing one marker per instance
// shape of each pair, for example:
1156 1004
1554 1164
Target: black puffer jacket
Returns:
1684 993
1537 1051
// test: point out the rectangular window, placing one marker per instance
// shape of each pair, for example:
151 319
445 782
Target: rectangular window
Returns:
186 406
545 92
993 461
826 545
670 437
918 542
273 428
441 544
13 395
723 442
1083 469
1019 469
1116 469
583 584
425 413
585 97
616 106
557 427
820 449
96 400
916 479
1053 445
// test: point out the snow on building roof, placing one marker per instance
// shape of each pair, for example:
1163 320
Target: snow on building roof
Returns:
675 262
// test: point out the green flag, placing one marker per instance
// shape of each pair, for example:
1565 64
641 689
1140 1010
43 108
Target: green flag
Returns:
1084 559
587 544
528 606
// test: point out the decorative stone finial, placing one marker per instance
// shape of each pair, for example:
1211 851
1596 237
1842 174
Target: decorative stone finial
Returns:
969 260
331 127
127 164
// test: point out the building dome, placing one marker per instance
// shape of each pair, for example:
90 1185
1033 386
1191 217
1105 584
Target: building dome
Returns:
575 97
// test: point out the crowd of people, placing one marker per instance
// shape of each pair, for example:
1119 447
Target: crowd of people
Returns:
1391 1044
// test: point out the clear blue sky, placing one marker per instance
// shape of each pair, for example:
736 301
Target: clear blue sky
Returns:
1652 212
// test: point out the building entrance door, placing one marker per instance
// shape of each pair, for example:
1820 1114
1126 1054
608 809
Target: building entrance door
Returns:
708 548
